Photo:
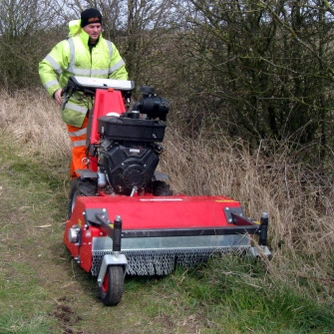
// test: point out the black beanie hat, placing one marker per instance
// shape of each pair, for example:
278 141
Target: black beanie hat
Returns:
89 16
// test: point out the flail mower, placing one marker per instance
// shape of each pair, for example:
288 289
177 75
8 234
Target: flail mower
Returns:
123 217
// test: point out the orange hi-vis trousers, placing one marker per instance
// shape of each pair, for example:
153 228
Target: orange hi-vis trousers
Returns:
78 138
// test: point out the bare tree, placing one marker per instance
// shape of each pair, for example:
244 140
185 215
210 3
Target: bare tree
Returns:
267 66
24 28
147 31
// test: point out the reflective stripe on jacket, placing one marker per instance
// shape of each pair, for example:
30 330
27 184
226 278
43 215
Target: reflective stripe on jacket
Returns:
73 57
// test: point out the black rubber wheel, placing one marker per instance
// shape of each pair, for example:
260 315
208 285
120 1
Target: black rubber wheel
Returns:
112 287
80 187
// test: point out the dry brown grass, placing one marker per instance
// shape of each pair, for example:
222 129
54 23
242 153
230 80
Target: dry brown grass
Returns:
32 120
299 199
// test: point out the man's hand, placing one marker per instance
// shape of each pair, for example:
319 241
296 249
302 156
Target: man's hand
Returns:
57 95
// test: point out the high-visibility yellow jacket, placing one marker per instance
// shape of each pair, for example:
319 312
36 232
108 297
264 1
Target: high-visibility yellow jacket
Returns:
73 57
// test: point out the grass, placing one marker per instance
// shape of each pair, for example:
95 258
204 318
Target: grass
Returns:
253 300
42 290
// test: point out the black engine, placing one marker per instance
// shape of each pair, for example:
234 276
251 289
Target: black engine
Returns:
129 153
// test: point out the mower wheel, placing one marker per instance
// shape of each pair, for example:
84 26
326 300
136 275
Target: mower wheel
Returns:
80 187
112 287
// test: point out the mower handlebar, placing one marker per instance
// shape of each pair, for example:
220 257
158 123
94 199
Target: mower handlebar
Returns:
89 85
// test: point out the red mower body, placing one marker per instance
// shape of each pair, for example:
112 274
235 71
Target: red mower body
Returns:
192 226
142 233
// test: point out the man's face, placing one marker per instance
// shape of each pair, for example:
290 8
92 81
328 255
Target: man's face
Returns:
93 30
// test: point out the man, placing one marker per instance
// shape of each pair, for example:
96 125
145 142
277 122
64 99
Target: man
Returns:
84 53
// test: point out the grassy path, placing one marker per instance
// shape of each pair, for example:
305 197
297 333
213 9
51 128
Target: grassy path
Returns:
42 290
